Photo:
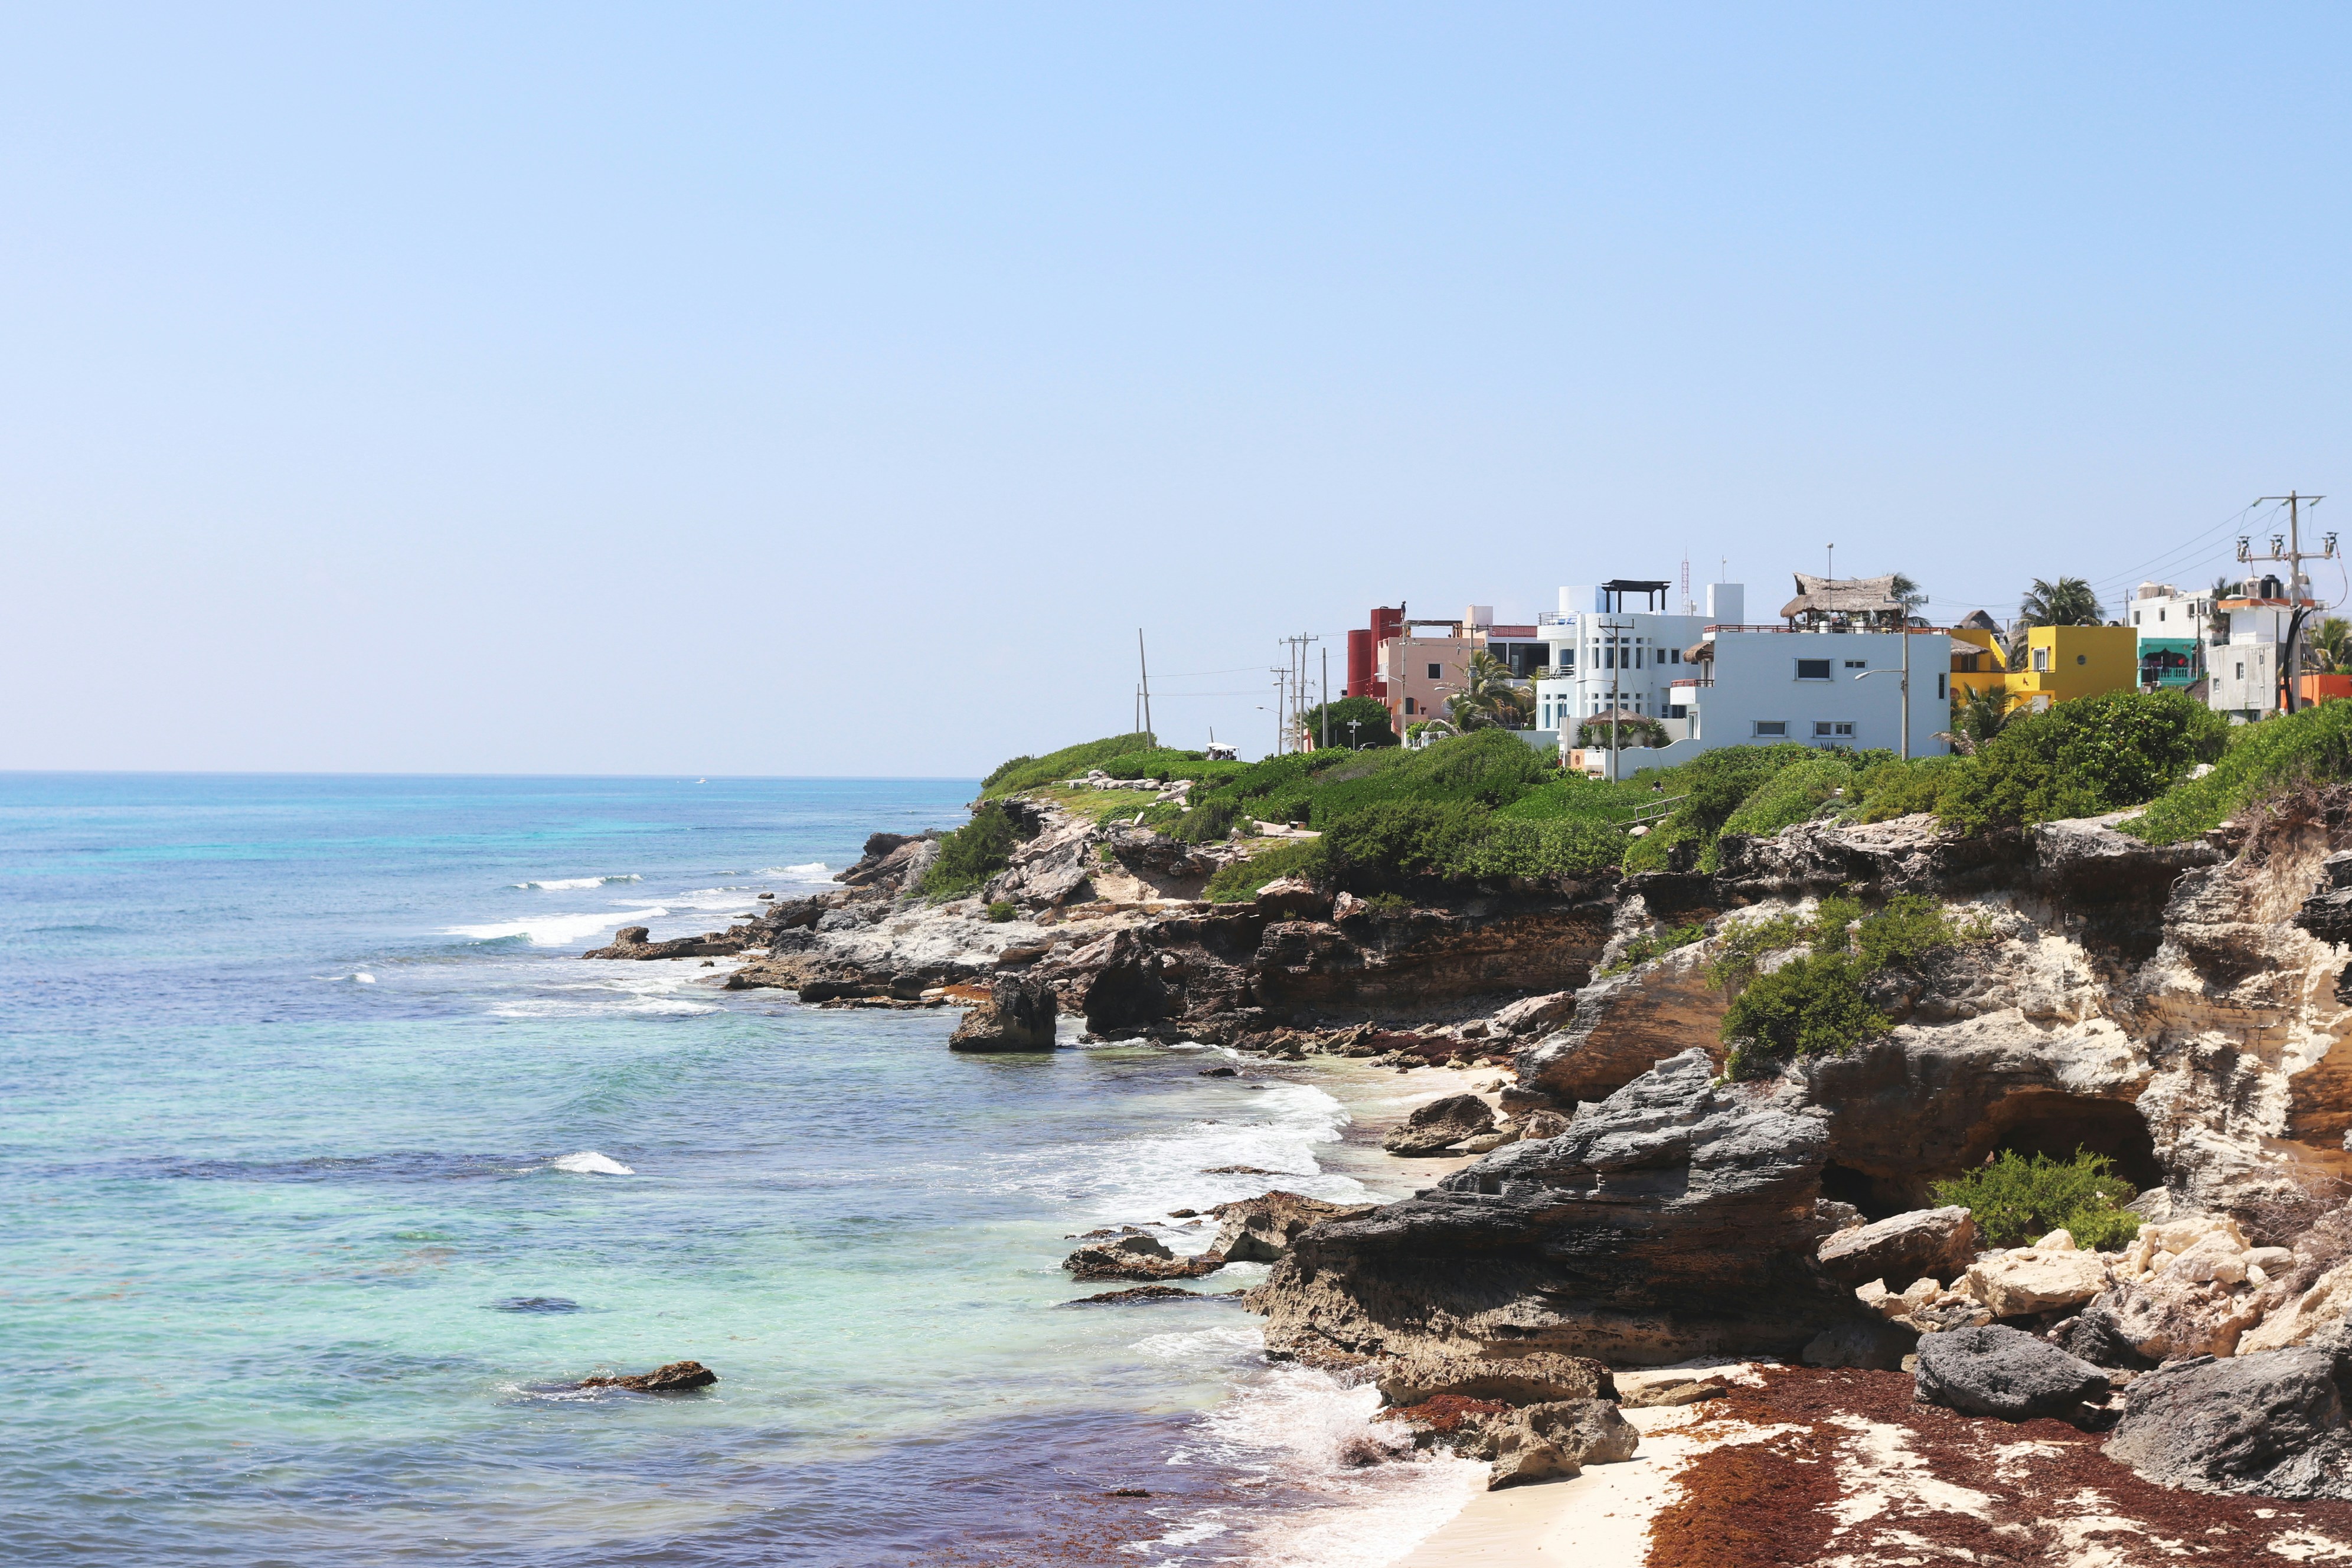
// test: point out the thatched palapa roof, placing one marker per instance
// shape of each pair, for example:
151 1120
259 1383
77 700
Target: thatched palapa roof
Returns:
1843 596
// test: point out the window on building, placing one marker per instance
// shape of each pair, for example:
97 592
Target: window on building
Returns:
1824 727
1673 656
1434 671
1408 707
1812 669
2041 658
1677 711
2242 669
1771 727
2082 658
1939 688
1857 664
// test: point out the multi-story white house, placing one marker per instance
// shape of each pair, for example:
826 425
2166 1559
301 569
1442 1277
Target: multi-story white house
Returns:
1833 674
1605 656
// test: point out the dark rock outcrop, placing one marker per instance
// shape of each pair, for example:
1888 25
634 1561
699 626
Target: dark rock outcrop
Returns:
1260 1229
2271 1423
1018 1016
1137 1255
1924 1244
1673 1219
1432 1127
1997 1370
676 1377
630 941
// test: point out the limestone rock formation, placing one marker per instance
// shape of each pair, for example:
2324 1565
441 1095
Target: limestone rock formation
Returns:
1017 1016
1623 1025
2000 1371
1543 1442
1936 1244
630 941
1673 1219
1533 1378
1432 1127
1260 1229
2025 1281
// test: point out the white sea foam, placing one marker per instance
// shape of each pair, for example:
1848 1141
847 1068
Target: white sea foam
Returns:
557 930
643 990
1301 1428
814 872
588 1162
364 978
572 884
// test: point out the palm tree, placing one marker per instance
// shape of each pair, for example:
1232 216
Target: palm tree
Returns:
2068 602
2331 640
1909 593
1978 715
1491 696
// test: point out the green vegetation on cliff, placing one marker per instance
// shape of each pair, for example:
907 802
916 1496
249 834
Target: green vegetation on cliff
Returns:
1817 1002
2016 1200
972 854
1487 806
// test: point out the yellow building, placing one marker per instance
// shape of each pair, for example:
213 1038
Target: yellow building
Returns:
2060 663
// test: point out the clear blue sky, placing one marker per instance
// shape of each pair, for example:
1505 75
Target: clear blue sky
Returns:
777 390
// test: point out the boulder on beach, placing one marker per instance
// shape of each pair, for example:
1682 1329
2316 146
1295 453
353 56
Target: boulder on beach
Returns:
2272 1422
1432 1127
1017 1016
675 1377
2002 1372
1556 1440
1937 1244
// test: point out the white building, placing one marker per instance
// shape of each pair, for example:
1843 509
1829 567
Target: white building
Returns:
1762 685
1605 656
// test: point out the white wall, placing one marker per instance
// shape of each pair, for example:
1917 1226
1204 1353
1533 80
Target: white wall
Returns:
1756 682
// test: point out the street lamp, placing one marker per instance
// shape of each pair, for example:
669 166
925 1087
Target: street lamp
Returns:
1904 685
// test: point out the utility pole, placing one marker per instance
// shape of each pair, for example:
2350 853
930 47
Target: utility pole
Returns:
2294 557
1295 675
1616 659
1144 666
1904 676
1326 696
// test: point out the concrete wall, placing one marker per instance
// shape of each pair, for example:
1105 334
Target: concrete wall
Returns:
1757 684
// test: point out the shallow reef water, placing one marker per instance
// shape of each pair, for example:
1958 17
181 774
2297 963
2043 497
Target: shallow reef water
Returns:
330 1169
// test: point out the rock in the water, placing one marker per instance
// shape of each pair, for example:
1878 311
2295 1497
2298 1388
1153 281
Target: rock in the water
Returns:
2019 1283
1018 1016
2001 1372
1543 1442
1536 1378
1135 1256
1433 1127
1134 1293
1259 1230
630 941
1935 1244
2267 1423
673 1378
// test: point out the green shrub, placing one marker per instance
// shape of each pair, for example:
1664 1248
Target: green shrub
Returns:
1744 942
1001 911
1896 788
1070 761
1807 1006
1389 903
1212 819
1911 926
2311 745
1796 794
1373 726
2091 755
1238 882
1654 945
972 854
2016 1200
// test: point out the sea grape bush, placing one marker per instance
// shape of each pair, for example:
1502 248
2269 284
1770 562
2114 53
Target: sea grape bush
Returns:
2016 1199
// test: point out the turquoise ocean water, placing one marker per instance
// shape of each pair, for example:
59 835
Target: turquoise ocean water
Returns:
327 1164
